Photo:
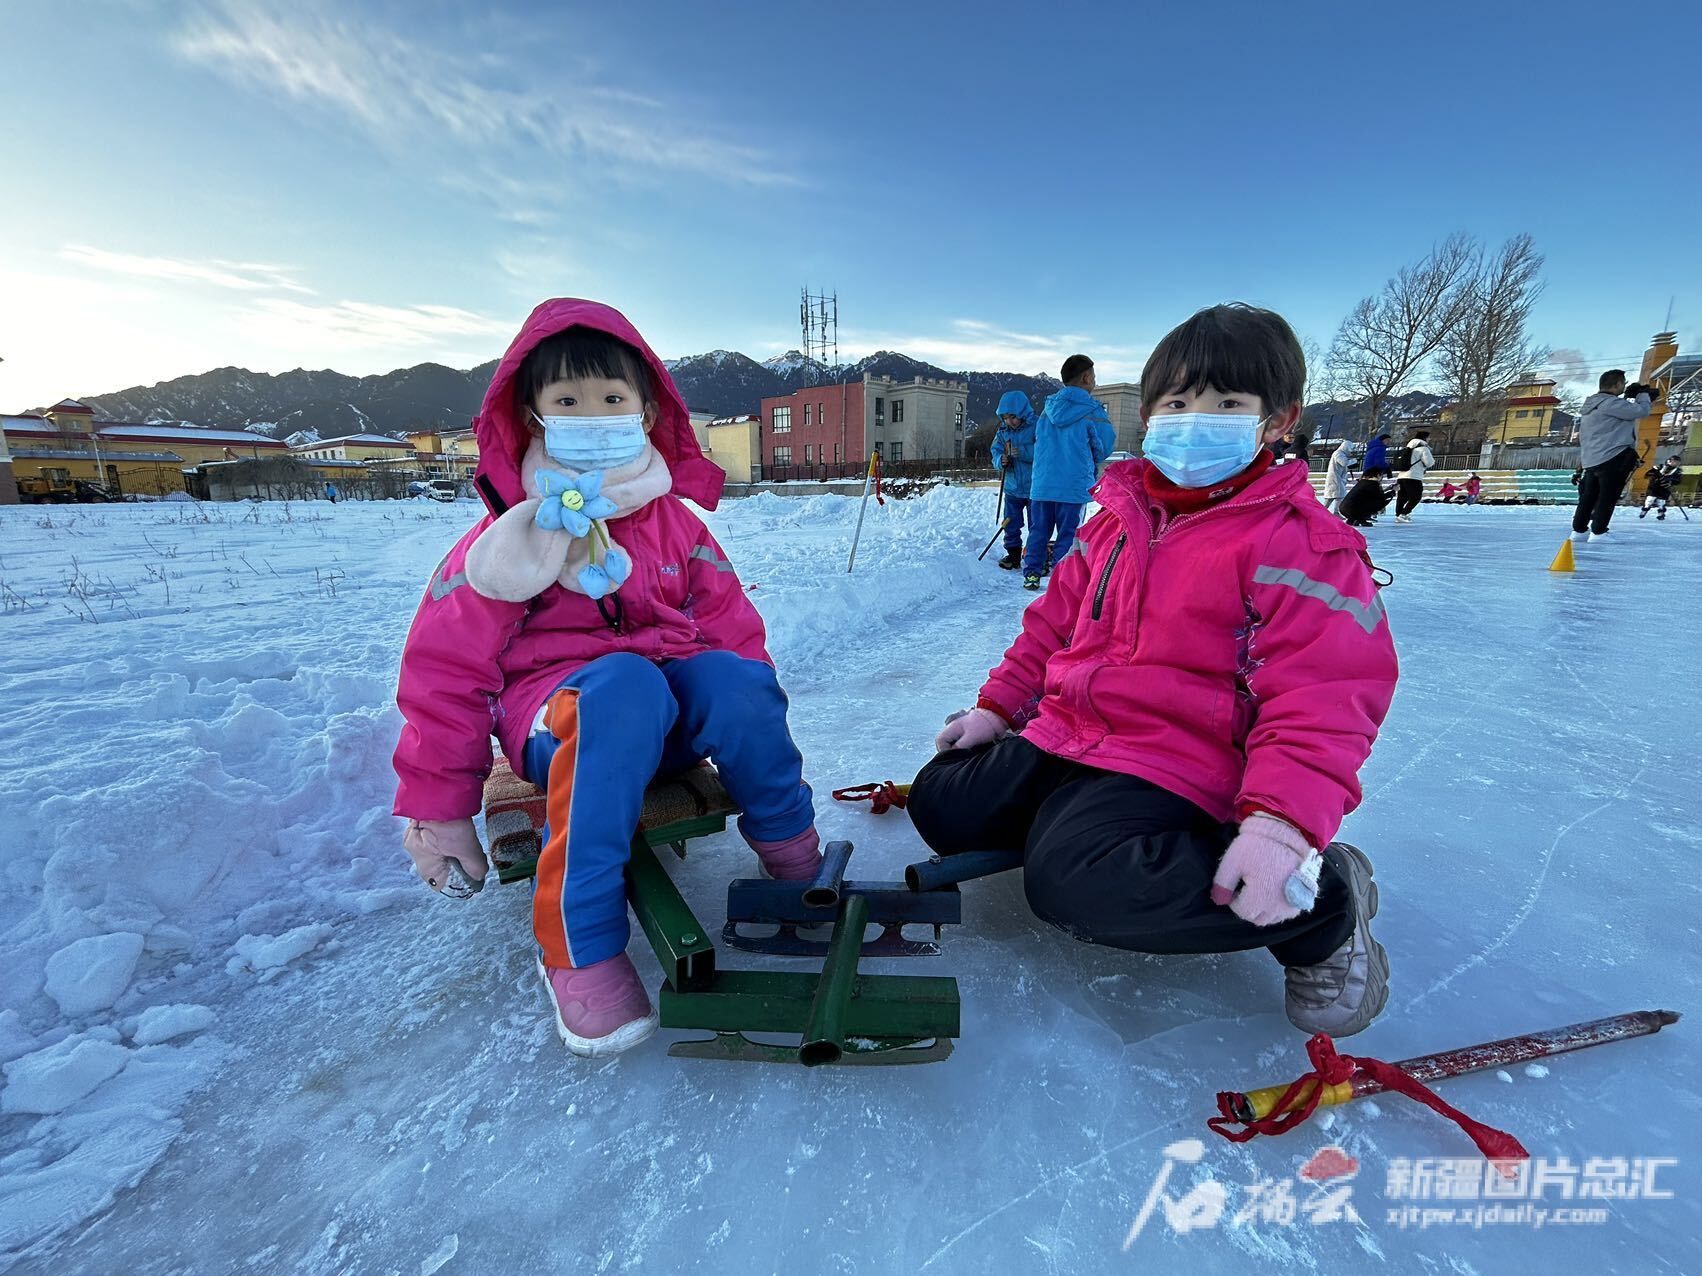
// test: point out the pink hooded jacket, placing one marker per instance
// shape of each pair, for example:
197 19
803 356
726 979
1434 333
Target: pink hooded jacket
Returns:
473 666
1238 656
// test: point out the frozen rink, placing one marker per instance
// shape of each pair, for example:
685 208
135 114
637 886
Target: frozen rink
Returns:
360 1076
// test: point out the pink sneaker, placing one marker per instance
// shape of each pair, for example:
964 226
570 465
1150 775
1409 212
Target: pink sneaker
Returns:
794 860
601 1009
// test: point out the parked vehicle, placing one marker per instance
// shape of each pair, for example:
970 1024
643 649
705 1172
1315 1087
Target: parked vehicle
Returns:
435 489
48 489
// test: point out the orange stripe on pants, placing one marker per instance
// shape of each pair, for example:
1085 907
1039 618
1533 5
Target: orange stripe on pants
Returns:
561 716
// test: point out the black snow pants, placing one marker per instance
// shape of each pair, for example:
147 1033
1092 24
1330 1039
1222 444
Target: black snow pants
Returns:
1408 494
1599 489
1112 859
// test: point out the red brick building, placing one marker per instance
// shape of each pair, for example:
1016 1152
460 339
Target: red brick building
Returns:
828 425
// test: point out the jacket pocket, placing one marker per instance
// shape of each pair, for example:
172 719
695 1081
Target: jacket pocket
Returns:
1105 574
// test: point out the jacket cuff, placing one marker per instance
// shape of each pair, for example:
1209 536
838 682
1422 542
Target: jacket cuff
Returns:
985 701
442 803
1245 807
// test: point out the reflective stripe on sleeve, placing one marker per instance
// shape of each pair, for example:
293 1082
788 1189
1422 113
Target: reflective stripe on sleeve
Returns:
706 555
1366 615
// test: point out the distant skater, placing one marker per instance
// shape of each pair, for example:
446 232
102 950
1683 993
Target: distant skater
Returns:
1662 479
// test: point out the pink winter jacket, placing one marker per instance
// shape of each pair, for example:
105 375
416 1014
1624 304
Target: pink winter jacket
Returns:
473 666
1238 656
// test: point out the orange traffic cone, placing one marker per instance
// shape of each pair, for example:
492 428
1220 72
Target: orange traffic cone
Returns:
1563 560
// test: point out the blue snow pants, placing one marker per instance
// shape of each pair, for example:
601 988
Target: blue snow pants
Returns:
609 729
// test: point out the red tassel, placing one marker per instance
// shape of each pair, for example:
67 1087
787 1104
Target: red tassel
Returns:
881 797
1330 1068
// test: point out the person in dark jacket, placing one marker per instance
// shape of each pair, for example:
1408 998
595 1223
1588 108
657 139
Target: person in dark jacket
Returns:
1376 458
1607 447
1662 479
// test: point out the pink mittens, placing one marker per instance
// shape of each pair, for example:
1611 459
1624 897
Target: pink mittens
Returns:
1275 869
447 855
971 728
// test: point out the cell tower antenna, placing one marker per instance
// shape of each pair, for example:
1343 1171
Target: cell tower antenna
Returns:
818 317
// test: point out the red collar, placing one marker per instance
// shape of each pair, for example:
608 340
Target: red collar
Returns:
1187 500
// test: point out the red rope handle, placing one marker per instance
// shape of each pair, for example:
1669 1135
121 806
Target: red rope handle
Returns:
1330 1068
881 797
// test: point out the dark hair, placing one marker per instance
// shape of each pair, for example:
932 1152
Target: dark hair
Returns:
1612 376
1421 434
582 352
1073 368
1233 347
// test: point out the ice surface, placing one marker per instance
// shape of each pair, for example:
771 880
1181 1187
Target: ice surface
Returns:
197 739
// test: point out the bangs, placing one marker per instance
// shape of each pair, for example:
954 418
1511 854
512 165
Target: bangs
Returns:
1235 348
583 352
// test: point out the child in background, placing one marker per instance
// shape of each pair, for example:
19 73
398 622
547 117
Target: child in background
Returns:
1073 436
1662 479
1448 491
1338 476
1474 488
593 624
1013 457
1177 731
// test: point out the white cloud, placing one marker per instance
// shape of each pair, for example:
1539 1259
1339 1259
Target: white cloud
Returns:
131 330
406 95
247 276
284 324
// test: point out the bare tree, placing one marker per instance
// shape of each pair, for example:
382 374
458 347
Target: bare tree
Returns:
1488 346
1387 337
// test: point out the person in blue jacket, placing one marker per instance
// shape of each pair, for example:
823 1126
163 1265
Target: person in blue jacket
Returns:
1376 458
1074 434
1013 457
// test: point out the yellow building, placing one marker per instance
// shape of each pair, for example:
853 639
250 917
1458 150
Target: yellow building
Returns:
1529 412
355 447
67 444
734 444
446 454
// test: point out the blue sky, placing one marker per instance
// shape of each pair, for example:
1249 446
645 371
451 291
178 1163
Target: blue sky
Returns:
369 185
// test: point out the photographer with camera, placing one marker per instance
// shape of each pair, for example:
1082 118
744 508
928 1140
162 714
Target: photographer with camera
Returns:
1607 444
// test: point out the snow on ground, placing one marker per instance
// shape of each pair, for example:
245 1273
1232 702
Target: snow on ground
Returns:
238 1035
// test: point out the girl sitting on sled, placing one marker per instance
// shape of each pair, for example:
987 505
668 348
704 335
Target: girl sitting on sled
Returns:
593 624
1175 735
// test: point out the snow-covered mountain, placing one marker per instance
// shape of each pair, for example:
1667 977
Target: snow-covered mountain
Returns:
329 404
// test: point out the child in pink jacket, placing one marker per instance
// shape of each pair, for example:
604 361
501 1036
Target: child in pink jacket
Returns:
594 626
1174 737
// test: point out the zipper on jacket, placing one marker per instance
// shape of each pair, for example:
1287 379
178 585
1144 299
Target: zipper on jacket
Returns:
1105 576
612 616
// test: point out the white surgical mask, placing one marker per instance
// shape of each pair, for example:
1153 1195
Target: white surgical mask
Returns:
1197 449
587 443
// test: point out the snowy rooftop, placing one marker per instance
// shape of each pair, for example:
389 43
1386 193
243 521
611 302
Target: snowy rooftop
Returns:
184 434
84 454
362 440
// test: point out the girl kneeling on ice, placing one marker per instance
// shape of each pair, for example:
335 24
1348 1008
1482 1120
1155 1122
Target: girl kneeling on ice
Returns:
594 625
1179 726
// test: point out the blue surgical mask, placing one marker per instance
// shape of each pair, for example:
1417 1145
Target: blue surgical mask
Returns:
1197 449
586 443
